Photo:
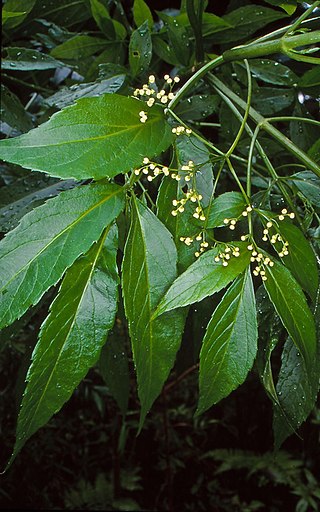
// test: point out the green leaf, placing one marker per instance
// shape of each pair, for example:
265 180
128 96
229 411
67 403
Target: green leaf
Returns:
197 107
229 205
48 240
309 184
270 100
25 194
79 47
15 11
272 72
95 138
62 12
291 305
72 335
190 148
13 112
25 59
212 24
140 49
111 28
297 390
149 267
289 6
229 345
310 78
203 278
142 13
246 20
68 95
113 366
181 225
314 151
301 260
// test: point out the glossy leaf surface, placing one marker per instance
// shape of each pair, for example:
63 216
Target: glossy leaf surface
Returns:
297 389
25 59
203 278
95 138
301 259
71 337
229 345
291 305
140 49
48 240
149 267
229 205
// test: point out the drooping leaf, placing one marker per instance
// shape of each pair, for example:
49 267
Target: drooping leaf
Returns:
289 6
67 96
95 138
272 72
62 12
13 112
140 49
245 21
229 205
197 107
142 13
270 100
203 278
149 267
48 240
26 59
291 305
229 345
301 259
102 18
310 78
297 390
309 184
79 47
15 11
26 193
72 335
113 365
314 151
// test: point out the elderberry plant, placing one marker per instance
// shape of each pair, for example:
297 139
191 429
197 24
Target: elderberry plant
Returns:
177 175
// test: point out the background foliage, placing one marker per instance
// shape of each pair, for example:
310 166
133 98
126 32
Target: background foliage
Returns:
234 123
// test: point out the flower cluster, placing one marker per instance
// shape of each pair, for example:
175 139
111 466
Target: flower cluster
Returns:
181 130
193 196
231 223
225 255
151 93
143 116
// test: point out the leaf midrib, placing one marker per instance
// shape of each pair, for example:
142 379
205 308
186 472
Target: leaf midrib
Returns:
69 227
240 298
70 327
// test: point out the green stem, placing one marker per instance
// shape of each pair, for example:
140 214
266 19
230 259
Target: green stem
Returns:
266 160
196 24
205 141
293 118
282 45
234 174
266 126
246 114
301 18
191 82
